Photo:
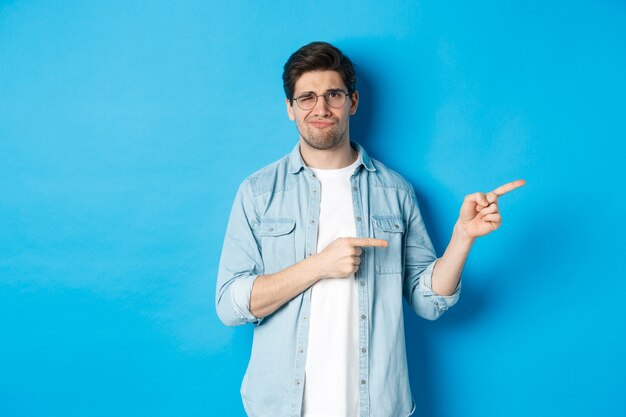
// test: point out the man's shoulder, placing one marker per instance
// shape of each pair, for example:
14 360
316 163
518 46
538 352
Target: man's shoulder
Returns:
388 178
269 177
271 169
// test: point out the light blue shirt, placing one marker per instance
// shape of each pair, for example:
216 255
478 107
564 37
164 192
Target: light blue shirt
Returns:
273 225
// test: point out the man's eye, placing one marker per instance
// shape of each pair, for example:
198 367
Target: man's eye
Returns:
333 94
305 99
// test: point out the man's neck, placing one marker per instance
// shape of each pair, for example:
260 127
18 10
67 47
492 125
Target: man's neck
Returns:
339 157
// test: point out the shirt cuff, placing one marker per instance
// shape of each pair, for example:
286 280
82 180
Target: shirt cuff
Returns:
241 290
442 302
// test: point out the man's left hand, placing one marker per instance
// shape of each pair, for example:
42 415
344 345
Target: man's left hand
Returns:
480 214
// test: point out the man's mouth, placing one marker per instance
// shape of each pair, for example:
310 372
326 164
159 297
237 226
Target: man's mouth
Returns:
320 124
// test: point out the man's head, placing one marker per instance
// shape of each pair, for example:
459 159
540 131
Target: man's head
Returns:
320 88
317 56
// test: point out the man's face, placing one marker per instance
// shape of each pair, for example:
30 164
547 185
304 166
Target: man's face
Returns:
322 127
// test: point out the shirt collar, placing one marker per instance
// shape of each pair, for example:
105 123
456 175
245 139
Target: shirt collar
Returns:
296 163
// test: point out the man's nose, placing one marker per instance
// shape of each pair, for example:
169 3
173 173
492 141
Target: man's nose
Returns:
321 107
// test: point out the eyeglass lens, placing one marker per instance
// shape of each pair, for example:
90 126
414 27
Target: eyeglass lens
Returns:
333 98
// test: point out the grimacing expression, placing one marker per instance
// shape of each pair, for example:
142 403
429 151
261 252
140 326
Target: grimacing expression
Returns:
322 127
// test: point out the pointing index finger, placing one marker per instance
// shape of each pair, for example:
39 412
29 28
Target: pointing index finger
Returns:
503 189
367 241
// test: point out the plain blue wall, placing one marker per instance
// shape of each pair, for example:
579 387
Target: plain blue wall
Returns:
126 127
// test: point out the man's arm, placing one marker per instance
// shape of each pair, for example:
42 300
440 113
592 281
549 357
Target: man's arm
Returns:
341 258
447 270
240 263
479 216
419 262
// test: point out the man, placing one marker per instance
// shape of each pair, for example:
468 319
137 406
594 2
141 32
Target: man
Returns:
321 246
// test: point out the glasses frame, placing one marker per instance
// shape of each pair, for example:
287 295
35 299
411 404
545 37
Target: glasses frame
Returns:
317 96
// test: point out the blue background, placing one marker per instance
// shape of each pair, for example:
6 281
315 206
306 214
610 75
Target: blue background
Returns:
126 127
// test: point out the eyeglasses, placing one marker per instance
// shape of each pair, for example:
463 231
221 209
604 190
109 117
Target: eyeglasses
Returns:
334 98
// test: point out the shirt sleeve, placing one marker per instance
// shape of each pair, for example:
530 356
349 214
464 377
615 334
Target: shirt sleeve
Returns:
420 260
240 263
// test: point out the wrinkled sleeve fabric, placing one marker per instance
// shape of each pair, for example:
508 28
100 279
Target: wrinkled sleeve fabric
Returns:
420 260
240 263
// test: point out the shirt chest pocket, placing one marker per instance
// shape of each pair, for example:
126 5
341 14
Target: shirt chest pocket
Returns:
389 260
278 245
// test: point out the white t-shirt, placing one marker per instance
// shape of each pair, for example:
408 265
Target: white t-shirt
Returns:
332 369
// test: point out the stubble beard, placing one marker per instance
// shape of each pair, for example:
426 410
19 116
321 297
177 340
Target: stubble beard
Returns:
322 139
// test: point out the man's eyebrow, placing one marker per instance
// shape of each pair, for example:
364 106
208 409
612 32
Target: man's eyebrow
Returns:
330 90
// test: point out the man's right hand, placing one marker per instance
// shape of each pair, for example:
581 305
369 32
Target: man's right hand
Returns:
342 257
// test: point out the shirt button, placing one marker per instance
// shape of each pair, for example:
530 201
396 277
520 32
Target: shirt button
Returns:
314 190
363 316
358 219
362 283
355 189
309 254
271 229
301 350
396 226
304 318
362 382
363 350
297 382
312 221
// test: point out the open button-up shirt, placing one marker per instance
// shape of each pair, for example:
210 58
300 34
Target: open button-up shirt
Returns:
273 225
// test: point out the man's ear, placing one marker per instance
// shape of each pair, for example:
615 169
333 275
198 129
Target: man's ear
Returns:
354 102
290 110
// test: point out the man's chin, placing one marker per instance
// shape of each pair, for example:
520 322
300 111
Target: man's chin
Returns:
322 145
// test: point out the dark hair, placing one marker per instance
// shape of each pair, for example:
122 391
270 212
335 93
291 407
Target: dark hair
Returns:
317 56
